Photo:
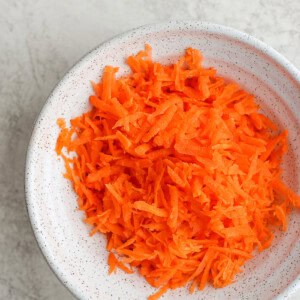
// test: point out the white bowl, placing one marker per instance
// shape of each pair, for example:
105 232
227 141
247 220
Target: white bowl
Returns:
80 261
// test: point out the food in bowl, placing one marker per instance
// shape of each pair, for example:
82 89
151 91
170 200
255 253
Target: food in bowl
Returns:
179 169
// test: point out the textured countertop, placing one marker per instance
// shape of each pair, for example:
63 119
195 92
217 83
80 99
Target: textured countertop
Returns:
39 42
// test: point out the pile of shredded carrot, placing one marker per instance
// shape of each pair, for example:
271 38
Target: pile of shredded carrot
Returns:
179 169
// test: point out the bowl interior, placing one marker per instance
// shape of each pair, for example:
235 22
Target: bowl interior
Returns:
79 260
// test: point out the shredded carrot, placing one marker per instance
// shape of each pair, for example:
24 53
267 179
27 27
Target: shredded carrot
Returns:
179 169
113 262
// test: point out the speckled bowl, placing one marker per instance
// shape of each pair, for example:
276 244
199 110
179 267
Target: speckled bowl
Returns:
78 260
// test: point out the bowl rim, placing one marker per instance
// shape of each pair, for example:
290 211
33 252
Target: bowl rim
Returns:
208 27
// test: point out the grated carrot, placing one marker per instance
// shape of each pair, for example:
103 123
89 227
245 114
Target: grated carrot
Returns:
180 170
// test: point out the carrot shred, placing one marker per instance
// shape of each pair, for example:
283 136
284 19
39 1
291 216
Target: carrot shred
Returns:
113 262
145 207
159 293
179 169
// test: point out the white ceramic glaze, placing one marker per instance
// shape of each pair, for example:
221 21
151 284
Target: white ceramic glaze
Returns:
79 260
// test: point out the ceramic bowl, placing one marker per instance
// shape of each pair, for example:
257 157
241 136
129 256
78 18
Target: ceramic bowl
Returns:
80 261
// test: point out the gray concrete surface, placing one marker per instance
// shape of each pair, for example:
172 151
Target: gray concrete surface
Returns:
39 41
